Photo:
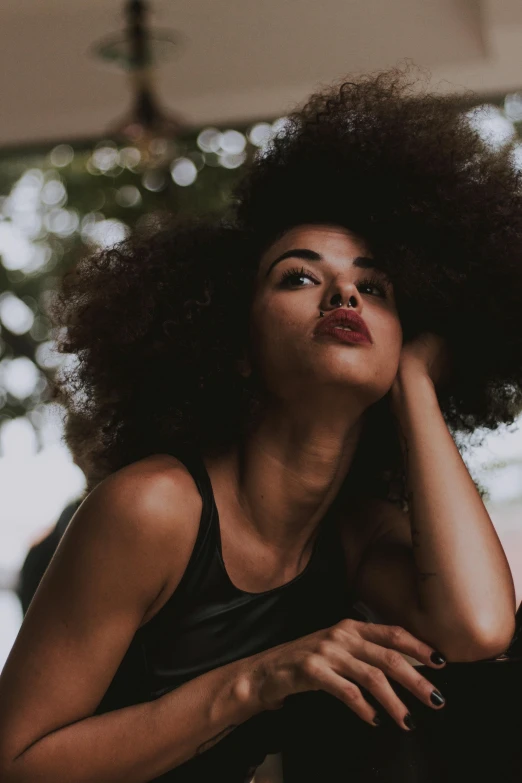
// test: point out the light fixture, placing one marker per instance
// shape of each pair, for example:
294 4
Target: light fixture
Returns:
147 126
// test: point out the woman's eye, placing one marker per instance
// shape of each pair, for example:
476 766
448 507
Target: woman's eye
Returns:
291 276
367 285
375 285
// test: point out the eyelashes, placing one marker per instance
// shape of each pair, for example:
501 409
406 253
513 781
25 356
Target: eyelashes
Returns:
374 282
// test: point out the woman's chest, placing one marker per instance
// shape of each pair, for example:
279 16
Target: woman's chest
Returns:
254 568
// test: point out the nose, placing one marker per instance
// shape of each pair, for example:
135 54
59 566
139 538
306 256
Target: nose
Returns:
346 293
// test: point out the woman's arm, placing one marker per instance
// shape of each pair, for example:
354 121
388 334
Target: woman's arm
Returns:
139 743
125 548
440 570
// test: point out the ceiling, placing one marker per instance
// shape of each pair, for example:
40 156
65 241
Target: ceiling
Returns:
240 59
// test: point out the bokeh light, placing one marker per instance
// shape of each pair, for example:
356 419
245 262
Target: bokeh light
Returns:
15 315
209 140
18 438
105 157
129 157
154 180
260 134
104 233
233 142
232 161
279 126
53 193
47 356
19 376
61 155
184 172
128 196
492 124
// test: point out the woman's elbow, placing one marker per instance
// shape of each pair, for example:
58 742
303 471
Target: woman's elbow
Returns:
483 643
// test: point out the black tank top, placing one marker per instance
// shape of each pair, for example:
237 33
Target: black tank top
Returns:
208 622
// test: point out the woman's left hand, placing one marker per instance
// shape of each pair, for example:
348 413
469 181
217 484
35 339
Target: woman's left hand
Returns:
427 355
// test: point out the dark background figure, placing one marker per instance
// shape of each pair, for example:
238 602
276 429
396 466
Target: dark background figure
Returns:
41 551
39 557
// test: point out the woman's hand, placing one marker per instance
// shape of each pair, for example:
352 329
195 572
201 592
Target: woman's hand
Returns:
335 659
428 355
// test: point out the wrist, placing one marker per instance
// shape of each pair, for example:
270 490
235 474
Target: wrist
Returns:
254 687
410 384
231 701
246 687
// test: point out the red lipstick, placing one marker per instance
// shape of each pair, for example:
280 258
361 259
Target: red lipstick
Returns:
332 323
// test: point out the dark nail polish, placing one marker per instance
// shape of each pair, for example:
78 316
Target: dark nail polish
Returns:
437 658
377 720
437 698
409 722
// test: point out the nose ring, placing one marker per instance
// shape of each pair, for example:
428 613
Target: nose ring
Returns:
339 303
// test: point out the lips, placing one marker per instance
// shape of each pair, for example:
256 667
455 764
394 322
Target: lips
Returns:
343 318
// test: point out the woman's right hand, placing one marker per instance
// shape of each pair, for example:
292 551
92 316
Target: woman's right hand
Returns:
339 659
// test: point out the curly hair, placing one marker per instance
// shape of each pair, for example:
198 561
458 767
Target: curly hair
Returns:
158 322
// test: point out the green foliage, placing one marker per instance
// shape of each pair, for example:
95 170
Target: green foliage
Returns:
55 206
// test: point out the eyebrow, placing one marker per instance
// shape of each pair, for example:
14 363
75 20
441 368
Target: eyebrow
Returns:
363 262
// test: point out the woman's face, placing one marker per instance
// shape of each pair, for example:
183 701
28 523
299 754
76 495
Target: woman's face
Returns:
321 261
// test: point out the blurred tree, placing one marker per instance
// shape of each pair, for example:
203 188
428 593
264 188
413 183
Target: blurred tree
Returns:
58 203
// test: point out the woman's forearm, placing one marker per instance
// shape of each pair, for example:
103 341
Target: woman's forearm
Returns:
138 743
464 581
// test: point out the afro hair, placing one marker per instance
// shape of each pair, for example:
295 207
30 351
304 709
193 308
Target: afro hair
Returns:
153 321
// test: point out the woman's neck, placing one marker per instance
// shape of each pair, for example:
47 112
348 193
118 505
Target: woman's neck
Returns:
283 478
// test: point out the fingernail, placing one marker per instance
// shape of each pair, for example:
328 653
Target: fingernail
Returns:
376 720
437 658
409 722
437 698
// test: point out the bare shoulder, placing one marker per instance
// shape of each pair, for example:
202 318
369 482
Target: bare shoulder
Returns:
127 543
154 489
134 532
161 507
145 515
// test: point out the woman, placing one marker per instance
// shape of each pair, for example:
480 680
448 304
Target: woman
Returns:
264 399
